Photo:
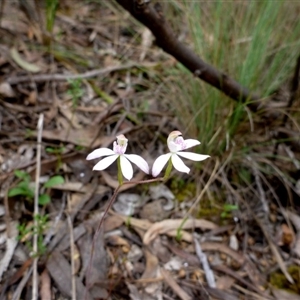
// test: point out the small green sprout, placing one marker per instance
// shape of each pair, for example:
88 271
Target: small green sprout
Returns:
24 187
228 209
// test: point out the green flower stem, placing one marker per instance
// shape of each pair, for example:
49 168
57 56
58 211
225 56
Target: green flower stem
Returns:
179 229
120 176
168 170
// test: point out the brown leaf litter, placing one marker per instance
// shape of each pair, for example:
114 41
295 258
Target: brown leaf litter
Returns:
146 249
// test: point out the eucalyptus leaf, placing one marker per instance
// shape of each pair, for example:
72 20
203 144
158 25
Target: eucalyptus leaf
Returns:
22 63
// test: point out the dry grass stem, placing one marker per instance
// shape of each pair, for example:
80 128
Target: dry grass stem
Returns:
36 208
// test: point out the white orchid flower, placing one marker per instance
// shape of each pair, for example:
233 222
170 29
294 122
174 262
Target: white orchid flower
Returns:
176 144
119 149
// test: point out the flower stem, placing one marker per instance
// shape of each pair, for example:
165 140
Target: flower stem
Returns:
120 176
110 203
168 170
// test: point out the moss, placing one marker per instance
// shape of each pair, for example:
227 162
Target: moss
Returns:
182 190
278 280
210 210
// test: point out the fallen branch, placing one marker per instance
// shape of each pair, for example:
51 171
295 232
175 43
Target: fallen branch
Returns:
151 16
62 77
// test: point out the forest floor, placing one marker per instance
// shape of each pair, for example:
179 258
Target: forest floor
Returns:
98 75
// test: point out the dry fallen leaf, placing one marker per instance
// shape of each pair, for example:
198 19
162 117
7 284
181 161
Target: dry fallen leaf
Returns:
225 282
116 240
174 285
11 243
22 63
284 295
295 219
171 227
220 247
77 260
134 222
60 271
6 90
86 137
152 265
287 235
112 222
147 38
68 113
45 286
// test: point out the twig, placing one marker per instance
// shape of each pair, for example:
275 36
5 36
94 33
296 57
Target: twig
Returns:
36 208
54 225
7 217
203 259
151 16
19 289
72 253
174 285
262 195
62 77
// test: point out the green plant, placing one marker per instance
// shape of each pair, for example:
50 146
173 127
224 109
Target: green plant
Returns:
24 187
58 151
75 91
244 40
255 43
51 7
228 209
26 232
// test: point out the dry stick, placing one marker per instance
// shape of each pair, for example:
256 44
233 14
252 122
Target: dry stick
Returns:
209 274
111 201
262 195
7 217
72 253
169 279
19 289
36 208
62 77
152 17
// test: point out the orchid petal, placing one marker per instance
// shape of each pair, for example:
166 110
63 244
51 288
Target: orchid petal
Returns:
159 164
193 156
120 145
179 164
139 161
105 162
99 153
173 147
190 143
126 167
